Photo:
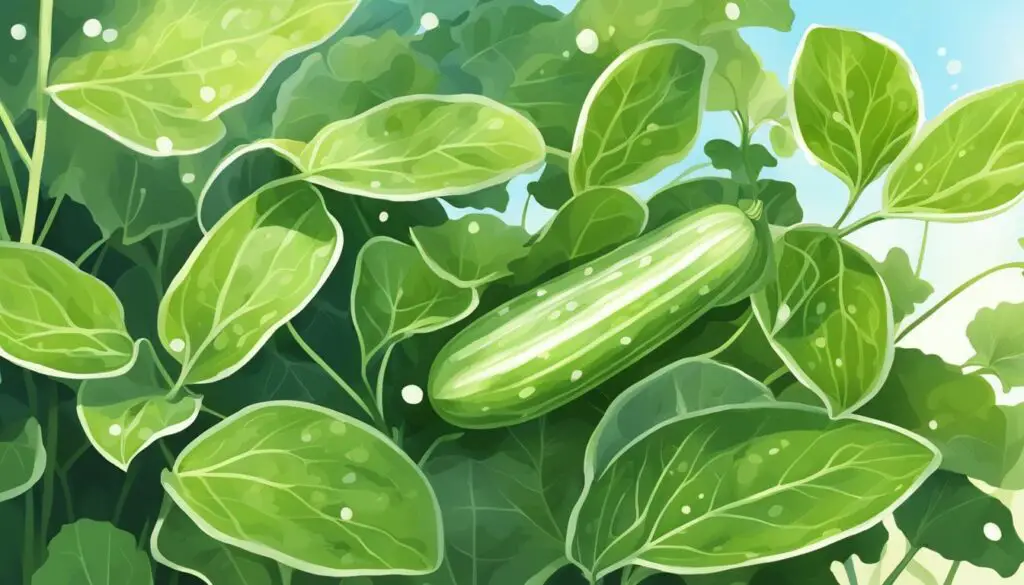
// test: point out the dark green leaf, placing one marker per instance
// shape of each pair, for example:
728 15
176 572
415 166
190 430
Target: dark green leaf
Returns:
22 455
552 188
998 340
781 206
906 289
682 198
96 553
727 156
472 250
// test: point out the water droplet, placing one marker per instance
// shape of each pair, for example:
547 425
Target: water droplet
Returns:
358 455
571 306
652 127
110 35
837 116
346 513
429 21
412 394
918 167
687 509
820 308
177 345
700 496
587 41
306 437
19 32
541 292
626 340
839 362
164 145
775 511
349 478
576 375
992 532
188 178
474 227
565 54
933 424
784 442
673 309
555 315
962 153
92 28
941 52
704 290
732 11
207 93
588 271
527 392
383 216
773 451
851 309
683 466
611 30
375 184
115 430
820 342
954 67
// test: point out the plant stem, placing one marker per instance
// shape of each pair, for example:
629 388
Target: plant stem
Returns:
526 207
211 411
851 571
126 489
28 562
313 355
956 292
19 205
774 376
861 223
52 425
12 132
952 573
35 174
437 443
924 246
380 379
89 252
854 198
50 219
902 566
558 152
732 339
168 455
680 178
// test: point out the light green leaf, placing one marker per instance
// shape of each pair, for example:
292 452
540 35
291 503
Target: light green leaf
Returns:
311 488
951 516
161 85
57 320
178 543
96 553
958 413
906 289
742 485
256 269
998 340
472 250
782 139
396 295
856 102
421 146
741 84
642 115
829 317
122 416
589 224
22 455
967 164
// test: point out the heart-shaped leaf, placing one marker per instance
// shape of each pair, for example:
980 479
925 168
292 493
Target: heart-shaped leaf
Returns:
88 551
998 340
472 250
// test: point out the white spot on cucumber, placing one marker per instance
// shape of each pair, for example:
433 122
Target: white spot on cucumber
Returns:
626 340
571 306
527 392
576 375
541 292
645 261
588 271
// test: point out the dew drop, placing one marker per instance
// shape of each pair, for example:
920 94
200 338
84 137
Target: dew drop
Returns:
626 340
383 216
496 124
673 309
412 394
918 167
933 424
527 392
784 312
565 54
375 184
145 433
687 510
19 32
188 178
820 342
839 362
555 315
504 311
177 345
992 532
337 427
429 21
820 308
962 153
851 309
588 271
784 442
587 41
571 306
474 227
164 145
115 430
700 496
228 57
773 451
541 292
775 511
954 67
92 28
837 116
576 375
732 11
346 513
755 459
207 94
110 35
704 290
652 127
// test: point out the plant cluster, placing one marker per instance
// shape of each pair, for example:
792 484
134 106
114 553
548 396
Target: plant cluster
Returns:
245 342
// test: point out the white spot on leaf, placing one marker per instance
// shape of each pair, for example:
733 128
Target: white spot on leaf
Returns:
784 312
306 437
110 35
429 21
188 178
474 227
383 216
732 11
92 28
820 342
992 532
177 345
164 145
207 93
687 509
626 340
541 292
19 32
933 424
412 394
375 184
346 513
115 430
588 271
587 41
571 306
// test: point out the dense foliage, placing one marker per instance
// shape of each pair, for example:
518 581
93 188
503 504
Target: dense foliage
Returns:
244 343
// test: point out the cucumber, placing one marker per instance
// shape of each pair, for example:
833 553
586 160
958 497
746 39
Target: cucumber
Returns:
550 345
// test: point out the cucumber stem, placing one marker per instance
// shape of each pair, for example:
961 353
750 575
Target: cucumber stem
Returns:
753 208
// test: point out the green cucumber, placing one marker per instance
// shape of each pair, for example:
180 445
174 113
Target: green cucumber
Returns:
550 345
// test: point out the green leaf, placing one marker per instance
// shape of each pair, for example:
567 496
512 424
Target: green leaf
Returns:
906 289
311 488
93 552
642 115
783 140
686 386
998 341
856 102
967 164
57 320
829 317
958 413
589 224
742 485
178 543
744 167
552 188
952 517
255 270
781 206
397 295
471 251
420 147
122 416
160 88
22 455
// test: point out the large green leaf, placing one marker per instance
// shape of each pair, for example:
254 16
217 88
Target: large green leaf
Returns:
829 317
958 413
856 102
419 147
396 295
552 188
998 340
57 320
588 224
255 270
967 164
161 85
642 114
951 516
94 553
781 206
472 250
742 485
22 455
744 165
906 289
122 416
311 488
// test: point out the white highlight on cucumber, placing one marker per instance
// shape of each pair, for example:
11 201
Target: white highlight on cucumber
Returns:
571 306
19 32
92 28
412 394
115 430
177 345
576 375
164 145
429 21
527 392
992 532
346 514
732 11
110 35
587 41
626 340
933 424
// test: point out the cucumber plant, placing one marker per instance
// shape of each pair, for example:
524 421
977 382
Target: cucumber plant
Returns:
247 338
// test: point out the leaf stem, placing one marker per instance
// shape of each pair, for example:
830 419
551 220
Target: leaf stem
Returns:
526 208
89 252
851 571
437 443
924 246
952 573
126 489
50 219
52 427
774 376
854 198
35 174
558 152
956 292
28 562
12 132
902 566
861 223
732 339
19 204
380 379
